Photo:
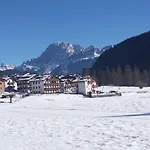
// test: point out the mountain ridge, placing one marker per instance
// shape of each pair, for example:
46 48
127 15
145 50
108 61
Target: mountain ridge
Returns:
132 51
60 55
4 67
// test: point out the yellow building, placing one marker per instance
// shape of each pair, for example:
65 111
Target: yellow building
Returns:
2 86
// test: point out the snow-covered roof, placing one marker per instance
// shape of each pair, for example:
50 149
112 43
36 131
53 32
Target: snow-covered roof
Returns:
76 80
82 80
39 78
6 78
26 77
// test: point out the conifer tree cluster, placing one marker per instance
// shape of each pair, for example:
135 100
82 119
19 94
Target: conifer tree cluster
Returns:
126 76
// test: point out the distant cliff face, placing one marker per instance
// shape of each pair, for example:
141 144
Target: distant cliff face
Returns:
4 67
63 58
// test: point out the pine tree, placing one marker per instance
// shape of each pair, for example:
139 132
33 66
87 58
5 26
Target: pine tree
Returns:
94 74
136 76
119 74
103 78
145 77
114 76
108 76
128 76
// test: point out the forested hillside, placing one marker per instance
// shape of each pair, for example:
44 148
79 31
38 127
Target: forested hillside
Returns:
127 63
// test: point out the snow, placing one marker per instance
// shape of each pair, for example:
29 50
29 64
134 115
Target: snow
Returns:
67 46
72 122
25 66
96 55
4 67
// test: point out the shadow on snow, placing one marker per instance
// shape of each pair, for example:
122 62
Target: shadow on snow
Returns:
130 115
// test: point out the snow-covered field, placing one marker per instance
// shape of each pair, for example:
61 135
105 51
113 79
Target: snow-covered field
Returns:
70 122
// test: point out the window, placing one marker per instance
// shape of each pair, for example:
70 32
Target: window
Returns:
39 87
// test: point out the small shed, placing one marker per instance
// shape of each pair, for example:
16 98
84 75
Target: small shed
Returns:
84 87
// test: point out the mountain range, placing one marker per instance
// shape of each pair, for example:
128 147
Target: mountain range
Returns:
4 67
63 58
66 58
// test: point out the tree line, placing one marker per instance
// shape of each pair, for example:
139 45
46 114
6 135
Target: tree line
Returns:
122 77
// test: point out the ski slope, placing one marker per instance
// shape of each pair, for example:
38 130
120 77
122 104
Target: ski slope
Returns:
72 122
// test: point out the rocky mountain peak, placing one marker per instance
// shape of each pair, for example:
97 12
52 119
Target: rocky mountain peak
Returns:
4 67
62 56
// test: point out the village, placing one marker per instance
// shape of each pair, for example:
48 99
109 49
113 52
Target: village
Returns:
28 84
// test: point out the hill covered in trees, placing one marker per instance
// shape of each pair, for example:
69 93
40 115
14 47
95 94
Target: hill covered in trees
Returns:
127 63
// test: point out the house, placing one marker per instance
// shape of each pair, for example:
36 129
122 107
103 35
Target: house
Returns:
37 84
23 83
52 85
10 85
69 84
86 85
2 86
45 84
65 85
83 87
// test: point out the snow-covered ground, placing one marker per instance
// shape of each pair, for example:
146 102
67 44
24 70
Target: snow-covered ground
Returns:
70 122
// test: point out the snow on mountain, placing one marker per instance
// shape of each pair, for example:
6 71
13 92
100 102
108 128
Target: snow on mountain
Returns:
28 67
68 47
63 54
4 67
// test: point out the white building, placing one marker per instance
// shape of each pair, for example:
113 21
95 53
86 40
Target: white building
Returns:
83 87
45 85
86 85
23 82
37 85
10 83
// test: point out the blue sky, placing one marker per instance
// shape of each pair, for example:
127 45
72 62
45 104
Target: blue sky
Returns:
28 27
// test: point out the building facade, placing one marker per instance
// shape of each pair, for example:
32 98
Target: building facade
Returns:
2 86
10 85
23 83
37 85
52 85
86 85
45 85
